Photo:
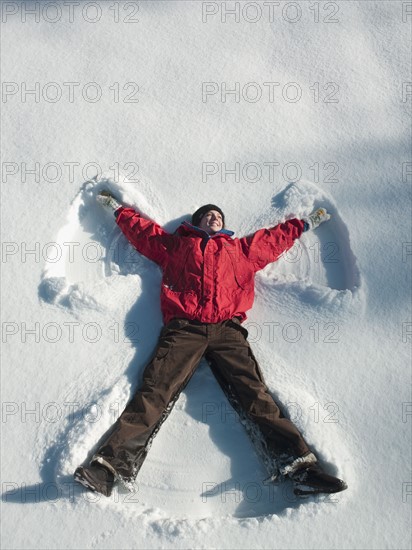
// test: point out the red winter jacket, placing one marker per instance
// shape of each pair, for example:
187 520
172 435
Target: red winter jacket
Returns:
207 278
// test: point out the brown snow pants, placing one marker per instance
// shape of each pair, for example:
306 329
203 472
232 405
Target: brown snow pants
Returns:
181 346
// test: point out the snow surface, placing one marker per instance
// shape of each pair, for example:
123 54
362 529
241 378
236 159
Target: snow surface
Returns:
331 323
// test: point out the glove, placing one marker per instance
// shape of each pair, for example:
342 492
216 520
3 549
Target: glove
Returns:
106 199
316 218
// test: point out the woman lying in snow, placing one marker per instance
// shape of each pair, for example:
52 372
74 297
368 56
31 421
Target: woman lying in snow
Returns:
207 286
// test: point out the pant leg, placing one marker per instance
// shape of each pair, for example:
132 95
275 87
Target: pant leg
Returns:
237 371
178 353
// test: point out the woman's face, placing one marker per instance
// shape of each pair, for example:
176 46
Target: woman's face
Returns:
211 222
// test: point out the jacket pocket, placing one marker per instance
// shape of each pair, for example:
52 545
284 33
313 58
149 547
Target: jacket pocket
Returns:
176 281
179 302
241 280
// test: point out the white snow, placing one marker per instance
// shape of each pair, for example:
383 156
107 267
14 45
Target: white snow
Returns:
331 324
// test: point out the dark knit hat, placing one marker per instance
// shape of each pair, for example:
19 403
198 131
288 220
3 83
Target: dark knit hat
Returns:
200 212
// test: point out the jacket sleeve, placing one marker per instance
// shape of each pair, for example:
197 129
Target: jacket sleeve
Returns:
146 236
266 245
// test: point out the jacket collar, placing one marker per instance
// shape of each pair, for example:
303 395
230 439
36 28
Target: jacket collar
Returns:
187 227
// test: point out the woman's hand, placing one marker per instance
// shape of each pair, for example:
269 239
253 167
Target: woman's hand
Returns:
106 199
316 218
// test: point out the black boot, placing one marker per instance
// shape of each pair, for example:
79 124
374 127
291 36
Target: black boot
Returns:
95 477
310 479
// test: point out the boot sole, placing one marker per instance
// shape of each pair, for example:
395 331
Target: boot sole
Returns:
82 479
305 490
